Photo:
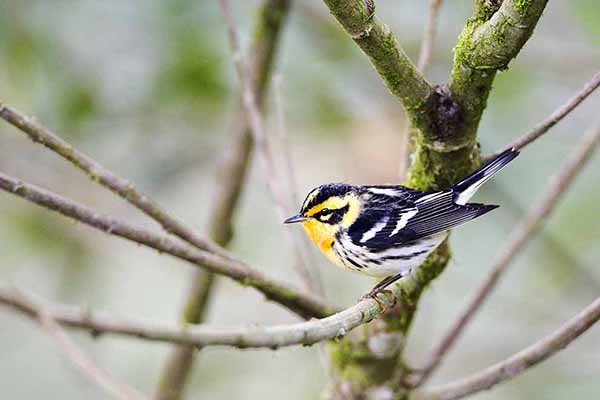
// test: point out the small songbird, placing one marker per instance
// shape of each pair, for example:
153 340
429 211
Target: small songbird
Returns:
388 230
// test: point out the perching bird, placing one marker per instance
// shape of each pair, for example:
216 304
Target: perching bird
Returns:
386 230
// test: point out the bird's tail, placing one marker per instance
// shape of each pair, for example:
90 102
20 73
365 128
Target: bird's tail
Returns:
466 188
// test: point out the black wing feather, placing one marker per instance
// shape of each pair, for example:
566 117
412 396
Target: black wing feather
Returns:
437 212
430 213
445 221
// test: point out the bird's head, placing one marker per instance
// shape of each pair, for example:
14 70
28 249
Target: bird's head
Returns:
327 210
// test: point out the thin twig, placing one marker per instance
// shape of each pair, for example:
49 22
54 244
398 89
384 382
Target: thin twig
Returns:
108 179
284 139
310 276
254 117
303 304
557 115
519 362
231 176
303 333
77 356
429 35
520 237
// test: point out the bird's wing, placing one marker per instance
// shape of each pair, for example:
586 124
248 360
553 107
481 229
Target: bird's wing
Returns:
425 215
437 212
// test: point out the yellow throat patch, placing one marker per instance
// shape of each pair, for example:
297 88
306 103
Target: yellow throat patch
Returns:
323 234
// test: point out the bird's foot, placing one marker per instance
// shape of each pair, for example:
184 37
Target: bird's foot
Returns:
373 295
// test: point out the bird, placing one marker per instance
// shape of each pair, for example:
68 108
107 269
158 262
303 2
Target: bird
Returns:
386 231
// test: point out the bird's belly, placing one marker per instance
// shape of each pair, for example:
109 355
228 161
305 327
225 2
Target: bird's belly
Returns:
392 261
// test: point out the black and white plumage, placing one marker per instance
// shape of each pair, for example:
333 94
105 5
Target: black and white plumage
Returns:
387 230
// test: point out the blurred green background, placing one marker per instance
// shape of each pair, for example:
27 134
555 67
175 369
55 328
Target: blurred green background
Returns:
148 88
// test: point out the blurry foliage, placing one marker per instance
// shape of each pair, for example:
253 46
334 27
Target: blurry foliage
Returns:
48 234
330 111
588 13
192 71
38 66
76 104
53 239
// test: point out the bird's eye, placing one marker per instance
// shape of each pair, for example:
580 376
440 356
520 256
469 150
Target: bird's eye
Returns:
326 211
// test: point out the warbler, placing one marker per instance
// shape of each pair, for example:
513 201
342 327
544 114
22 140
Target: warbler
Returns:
388 230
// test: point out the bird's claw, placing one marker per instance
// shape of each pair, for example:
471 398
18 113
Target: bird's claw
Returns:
373 296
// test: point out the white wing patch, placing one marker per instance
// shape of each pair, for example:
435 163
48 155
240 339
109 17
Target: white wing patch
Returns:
431 196
386 191
404 218
466 195
370 234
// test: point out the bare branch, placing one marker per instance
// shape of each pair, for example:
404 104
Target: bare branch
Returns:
520 362
98 173
558 114
255 120
179 363
429 35
230 179
310 276
303 304
272 337
80 360
519 238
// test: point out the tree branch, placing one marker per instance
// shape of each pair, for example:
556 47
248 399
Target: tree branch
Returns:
398 72
80 360
256 123
303 304
427 45
492 37
520 362
305 267
98 173
270 19
520 237
272 337
429 35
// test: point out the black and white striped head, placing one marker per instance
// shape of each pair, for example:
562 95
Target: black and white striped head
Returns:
328 204
327 210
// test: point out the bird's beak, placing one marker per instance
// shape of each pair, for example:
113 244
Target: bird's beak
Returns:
295 218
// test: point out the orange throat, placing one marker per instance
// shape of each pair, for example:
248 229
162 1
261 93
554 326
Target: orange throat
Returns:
322 235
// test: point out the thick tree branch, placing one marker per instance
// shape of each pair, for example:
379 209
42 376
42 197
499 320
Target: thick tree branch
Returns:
492 37
305 305
519 238
98 173
77 356
376 40
230 180
520 362
272 337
